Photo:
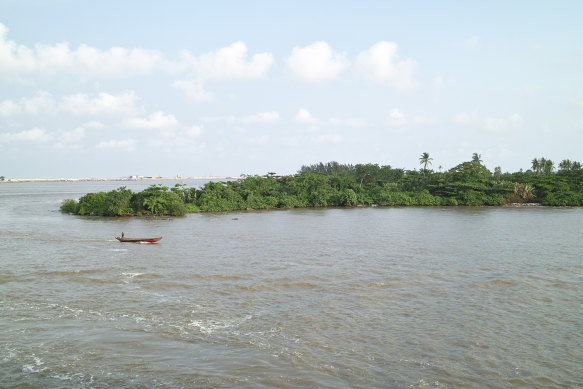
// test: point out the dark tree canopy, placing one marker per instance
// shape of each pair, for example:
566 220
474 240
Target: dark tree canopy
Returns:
342 185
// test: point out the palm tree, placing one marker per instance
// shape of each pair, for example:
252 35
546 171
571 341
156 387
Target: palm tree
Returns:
542 162
576 166
548 166
477 158
566 164
536 165
425 160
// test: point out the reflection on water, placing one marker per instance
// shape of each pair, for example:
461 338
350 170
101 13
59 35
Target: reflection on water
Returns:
383 297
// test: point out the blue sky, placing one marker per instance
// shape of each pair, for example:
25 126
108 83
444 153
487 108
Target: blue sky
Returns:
118 88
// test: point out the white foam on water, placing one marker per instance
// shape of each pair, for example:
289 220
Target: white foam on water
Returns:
208 327
36 367
131 275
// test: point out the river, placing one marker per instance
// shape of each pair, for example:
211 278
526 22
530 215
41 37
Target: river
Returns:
328 298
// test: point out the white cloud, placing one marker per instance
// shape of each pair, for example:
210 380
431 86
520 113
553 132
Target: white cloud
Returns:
472 42
118 144
70 139
438 82
351 122
532 90
184 138
194 90
93 124
157 120
397 118
103 104
193 131
489 123
262 117
329 138
35 135
42 102
261 140
73 136
304 116
464 119
316 63
9 108
494 124
79 104
381 64
48 60
229 62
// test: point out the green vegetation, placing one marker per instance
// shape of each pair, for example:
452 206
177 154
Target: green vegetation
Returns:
333 184
155 200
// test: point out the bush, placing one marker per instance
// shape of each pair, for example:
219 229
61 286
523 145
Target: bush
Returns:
349 198
426 199
70 206
450 201
93 204
218 197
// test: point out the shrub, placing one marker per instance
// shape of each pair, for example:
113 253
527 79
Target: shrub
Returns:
70 206
92 204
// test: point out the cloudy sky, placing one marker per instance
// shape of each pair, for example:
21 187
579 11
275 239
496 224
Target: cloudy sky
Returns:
199 88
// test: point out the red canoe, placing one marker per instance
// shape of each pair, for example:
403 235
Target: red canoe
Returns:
138 240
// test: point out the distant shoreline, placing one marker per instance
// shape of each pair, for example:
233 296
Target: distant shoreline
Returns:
133 178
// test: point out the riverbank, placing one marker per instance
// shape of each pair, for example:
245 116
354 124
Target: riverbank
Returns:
131 178
523 205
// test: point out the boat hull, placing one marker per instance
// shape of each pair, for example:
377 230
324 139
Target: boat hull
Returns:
138 240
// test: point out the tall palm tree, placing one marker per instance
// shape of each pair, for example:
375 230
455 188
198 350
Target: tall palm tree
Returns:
425 160
477 158
565 164
542 162
536 165
548 166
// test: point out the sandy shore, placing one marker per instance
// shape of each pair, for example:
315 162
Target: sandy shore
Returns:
115 179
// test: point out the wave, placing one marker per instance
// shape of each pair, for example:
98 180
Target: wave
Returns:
495 283
132 275
208 327
278 286
168 285
73 272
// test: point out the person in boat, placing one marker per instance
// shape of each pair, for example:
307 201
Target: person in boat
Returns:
122 235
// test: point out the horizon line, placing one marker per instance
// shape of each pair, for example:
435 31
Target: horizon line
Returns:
125 178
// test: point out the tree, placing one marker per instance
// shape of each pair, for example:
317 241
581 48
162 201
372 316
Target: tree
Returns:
566 164
158 200
70 206
548 166
118 202
425 160
477 158
536 165
349 198
366 174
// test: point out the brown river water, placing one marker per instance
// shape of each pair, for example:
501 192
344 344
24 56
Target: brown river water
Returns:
328 298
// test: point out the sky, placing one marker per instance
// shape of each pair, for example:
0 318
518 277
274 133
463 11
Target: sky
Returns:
225 88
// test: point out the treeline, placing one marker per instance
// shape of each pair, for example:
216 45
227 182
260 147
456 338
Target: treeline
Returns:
333 184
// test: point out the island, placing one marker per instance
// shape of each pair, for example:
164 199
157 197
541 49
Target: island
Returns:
343 185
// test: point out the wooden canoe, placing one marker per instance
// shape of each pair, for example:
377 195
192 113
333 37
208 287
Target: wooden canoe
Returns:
138 240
